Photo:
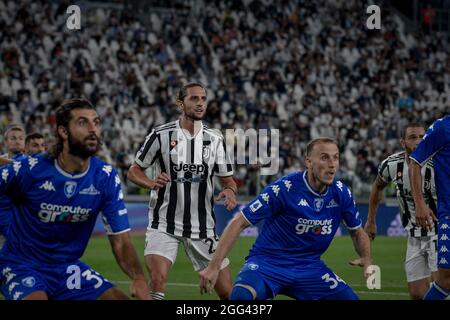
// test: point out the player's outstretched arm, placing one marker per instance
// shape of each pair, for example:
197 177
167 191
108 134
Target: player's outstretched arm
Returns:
374 200
126 257
4 161
208 276
228 193
361 242
424 215
137 175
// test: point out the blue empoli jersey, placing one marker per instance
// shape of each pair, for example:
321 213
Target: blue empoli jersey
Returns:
436 145
299 223
5 207
54 212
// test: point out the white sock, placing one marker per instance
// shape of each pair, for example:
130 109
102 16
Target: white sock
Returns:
157 295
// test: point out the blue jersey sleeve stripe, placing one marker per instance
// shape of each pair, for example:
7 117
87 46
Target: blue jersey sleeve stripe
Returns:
242 212
354 228
118 232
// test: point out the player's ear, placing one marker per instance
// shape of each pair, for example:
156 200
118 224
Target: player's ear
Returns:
402 143
307 162
62 132
180 104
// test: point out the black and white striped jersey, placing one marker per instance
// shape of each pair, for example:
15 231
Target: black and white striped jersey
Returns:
184 207
395 169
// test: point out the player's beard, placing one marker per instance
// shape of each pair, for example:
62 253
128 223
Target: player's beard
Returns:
80 148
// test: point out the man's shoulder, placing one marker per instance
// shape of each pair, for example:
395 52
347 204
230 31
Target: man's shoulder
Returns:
170 126
396 157
287 182
102 168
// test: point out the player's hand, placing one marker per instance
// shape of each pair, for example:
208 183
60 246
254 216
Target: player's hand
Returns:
425 217
208 278
364 263
230 199
139 289
161 180
371 230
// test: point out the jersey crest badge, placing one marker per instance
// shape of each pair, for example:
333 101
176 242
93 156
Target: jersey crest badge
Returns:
70 188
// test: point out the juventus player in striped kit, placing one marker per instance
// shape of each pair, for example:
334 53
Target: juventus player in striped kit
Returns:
186 155
421 255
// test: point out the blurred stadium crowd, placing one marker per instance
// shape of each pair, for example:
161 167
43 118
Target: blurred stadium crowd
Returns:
308 68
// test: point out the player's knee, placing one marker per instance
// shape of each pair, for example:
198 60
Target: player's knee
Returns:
243 292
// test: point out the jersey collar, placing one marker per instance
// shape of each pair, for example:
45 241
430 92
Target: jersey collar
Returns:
311 189
72 176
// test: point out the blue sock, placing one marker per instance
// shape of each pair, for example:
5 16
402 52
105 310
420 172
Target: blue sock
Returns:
435 293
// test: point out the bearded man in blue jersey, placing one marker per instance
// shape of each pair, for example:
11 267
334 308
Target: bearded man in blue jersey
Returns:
302 213
436 146
56 201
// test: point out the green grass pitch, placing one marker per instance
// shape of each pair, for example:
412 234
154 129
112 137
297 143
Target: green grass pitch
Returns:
388 253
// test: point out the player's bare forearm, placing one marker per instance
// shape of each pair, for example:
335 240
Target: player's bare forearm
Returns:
375 197
416 183
137 175
361 243
228 193
227 239
228 182
4 161
126 255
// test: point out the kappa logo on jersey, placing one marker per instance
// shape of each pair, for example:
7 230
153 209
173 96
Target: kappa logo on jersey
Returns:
12 286
17 295
444 237
332 204
287 184
47 185
59 213
29 282
303 203
443 261
316 227
318 204
32 162
69 188
444 226
107 169
275 189
443 249
265 197
16 166
90 191
5 174
186 167
340 185
255 205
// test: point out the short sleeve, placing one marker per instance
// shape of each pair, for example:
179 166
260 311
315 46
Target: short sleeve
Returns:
146 155
350 213
114 212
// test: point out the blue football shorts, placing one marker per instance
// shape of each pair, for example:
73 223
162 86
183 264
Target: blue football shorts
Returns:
68 281
307 281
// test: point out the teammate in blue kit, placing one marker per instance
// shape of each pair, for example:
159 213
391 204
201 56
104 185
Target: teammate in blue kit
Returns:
56 200
14 139
302 212
435 145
